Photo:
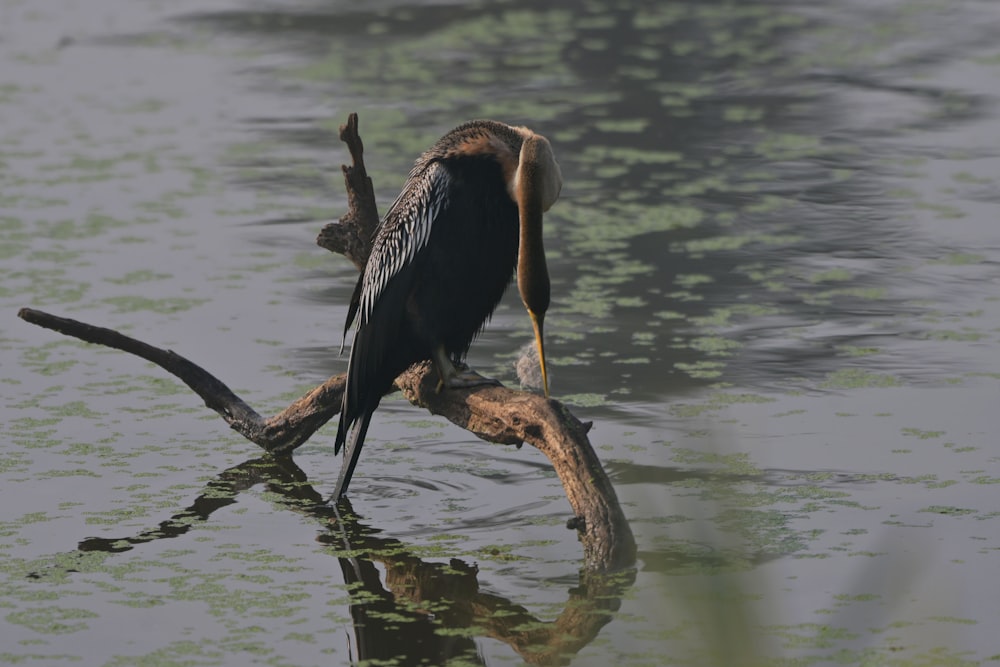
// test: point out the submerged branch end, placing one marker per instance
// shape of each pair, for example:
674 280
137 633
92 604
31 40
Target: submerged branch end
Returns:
507 416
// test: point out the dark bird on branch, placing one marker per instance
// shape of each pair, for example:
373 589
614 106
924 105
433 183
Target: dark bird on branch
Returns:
470 213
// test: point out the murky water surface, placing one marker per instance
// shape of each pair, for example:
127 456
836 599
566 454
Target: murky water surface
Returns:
776 269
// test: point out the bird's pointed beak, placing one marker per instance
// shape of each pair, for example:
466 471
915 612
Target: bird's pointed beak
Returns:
533 283
536 322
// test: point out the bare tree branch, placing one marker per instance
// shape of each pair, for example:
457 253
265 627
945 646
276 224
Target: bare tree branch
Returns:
352 236
502 415
279 434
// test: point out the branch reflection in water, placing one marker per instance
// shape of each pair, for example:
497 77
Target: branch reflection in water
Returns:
433 609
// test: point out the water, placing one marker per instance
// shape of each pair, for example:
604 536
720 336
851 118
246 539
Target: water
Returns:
775 278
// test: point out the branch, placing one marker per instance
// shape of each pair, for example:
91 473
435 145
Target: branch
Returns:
352 236
502 415
279 434
495 414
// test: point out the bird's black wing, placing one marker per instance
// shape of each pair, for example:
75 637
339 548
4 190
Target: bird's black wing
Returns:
352 309
379 303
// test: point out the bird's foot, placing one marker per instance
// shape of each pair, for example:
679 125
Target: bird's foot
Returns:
451 376
463 379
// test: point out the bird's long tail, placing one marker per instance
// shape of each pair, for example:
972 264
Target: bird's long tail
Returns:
352 451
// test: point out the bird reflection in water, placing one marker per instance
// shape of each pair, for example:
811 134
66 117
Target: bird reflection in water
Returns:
424 612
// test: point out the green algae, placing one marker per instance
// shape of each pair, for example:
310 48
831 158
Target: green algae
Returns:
52 620
164 306
855 378
717 401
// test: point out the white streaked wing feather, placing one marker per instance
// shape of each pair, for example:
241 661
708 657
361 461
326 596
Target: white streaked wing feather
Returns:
404 232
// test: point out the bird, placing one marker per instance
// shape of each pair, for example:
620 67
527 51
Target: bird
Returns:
468 217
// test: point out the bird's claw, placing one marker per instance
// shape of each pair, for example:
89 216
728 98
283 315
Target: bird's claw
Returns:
463 379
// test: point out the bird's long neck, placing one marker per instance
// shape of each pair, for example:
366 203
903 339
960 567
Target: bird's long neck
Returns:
532 273
537 185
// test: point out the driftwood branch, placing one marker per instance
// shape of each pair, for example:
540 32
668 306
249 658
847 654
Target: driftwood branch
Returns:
506 416
352 236
495 414
279 434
